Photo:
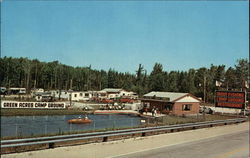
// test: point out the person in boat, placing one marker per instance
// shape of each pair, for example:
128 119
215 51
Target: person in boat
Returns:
86 117
79 117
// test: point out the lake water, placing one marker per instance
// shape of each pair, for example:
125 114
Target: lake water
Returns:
39 125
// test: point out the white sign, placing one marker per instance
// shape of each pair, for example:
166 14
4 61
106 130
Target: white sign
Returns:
35 105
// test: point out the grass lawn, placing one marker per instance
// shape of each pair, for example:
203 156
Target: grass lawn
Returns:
170 120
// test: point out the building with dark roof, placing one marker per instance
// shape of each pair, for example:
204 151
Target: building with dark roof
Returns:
172 103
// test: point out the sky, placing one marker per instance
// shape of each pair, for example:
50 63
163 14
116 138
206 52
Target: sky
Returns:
121 35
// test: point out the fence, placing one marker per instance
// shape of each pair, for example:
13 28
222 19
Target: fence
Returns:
61 126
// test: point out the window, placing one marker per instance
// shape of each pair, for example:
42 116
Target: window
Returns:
86 94
169 107
186 107
75 95
103 94
146 105
80 94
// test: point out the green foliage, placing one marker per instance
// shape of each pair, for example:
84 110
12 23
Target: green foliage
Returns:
156 78
23 72
242 72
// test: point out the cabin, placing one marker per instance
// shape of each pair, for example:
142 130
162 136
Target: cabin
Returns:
80 96
172 103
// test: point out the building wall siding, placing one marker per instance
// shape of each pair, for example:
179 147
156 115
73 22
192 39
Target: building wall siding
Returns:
188 99
177 109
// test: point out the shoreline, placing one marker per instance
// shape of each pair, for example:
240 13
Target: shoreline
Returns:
42 112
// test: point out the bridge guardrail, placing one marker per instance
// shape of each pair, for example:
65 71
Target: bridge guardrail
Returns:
109 132
65 138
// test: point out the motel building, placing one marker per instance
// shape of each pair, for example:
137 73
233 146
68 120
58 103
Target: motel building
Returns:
172 103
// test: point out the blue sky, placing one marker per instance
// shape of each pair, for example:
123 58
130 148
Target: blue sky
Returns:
121 35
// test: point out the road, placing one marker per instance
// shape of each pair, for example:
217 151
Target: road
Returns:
230 141
226 146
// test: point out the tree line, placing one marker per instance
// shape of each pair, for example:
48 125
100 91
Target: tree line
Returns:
23 72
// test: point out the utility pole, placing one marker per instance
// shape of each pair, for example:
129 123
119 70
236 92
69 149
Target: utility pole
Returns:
88 79
204 89
204 95
35 77
70 93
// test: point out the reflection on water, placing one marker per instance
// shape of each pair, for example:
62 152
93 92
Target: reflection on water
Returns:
38 125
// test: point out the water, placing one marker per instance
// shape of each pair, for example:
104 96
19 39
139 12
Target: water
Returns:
38 125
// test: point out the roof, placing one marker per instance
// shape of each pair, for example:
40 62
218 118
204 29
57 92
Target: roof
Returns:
171 96
112 90
42 93
14 88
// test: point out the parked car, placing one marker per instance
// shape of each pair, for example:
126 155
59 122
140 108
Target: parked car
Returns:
206 110
247 112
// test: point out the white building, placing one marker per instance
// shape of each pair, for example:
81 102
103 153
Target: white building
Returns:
81 96
114 93
62 94
101 95
131 95
17 90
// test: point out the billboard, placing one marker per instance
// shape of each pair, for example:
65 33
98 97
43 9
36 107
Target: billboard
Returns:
33 105
230 99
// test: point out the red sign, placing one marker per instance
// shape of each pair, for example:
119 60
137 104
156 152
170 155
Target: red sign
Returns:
230 99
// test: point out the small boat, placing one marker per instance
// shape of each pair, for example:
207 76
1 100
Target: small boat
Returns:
80 121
